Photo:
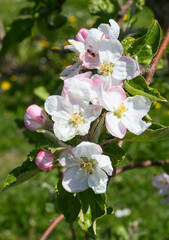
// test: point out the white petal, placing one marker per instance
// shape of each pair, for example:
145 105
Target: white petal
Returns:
159 179
98 181
164 190
110 50
86 149
138 106
76 46
51 103
126 67
112 98
135 125
83 129
111 30
67 159
93 39
63 130
104 163
92 112
75 180
115 125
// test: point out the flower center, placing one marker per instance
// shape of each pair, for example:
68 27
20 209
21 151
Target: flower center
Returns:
76 119
106 68
164 182
88 165
119 112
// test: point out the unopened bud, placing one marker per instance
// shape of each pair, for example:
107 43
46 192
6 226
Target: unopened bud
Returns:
35 118
44 160
82 35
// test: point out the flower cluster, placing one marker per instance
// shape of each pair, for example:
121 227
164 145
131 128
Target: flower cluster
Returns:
94 84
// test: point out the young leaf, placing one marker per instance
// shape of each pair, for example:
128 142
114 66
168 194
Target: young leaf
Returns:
102 7
67 203
145 47
93 207
138 86
116 153
27 170
149 135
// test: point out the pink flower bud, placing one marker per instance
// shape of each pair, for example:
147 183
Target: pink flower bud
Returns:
44 160
82 35
35 118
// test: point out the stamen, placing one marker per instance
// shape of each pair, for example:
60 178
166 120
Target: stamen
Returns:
119 112
88 165
76 119
106 68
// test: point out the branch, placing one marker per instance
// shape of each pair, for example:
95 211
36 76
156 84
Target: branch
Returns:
153 65
147 163
51 227
123 10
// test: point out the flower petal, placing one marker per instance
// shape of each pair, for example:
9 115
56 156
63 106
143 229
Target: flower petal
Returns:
64 131
93 39
90 61
104 163
126 67
98 181
67 159
115 125
86 149
110 50
75 180
76 46
111 30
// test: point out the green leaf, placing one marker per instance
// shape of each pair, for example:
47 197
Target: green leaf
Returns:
93 207
102 7
27 170
138 86
41 92
145 47
67 203
116 153
149 135
19 30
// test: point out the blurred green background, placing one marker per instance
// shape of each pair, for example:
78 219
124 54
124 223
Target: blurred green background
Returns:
29 73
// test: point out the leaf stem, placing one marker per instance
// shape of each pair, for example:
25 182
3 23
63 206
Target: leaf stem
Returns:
153 65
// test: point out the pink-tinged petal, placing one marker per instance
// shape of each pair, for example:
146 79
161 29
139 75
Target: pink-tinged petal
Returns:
83 75
111 30
115 126
126 67
44 160
35 118
82 35
110 50
104 163
138 106
67 159
75 180
134 125
93 39
112 98
98 181
64 131
90 60
70 71
86 149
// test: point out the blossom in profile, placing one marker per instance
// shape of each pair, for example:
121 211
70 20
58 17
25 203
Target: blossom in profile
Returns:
35 118
44 160
86 168
161 182
124 113
111 30
72 114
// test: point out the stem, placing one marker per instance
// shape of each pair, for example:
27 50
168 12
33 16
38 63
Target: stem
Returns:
147 163
73 232
51 227
153 65
123 11
107 141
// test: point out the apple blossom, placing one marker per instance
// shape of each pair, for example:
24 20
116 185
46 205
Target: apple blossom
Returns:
124 113
82 35
161 181
86 168
111 30
72 114
70 71
35 118
44 160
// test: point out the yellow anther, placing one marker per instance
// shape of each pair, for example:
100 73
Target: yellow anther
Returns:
119 112
164 182
106 68
76 119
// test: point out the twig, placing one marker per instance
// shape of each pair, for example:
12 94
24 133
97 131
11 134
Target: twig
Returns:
123 10
73 232
107 141
147 163
153 65
51 227
61 51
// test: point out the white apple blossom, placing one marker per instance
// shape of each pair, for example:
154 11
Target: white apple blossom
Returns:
86 168
112 64
161 181
124 113
72 114
112 30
